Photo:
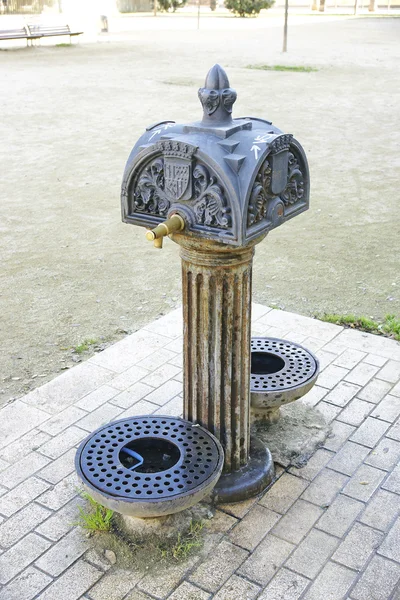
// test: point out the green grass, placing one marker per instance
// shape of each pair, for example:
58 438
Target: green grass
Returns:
390 327
84 346
94 517
184 543
295 69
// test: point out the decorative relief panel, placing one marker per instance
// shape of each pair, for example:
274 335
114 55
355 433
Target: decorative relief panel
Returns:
175 176
262 197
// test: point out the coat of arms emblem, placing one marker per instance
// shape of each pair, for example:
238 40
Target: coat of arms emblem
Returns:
177 176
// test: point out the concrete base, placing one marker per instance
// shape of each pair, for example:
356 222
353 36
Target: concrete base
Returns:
163 527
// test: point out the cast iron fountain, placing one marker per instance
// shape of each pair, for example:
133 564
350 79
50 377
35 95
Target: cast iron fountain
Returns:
216 187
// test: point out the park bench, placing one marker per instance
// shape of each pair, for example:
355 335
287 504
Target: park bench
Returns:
19 34
52 30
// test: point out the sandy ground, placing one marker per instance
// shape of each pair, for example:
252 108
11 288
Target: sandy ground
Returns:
70 115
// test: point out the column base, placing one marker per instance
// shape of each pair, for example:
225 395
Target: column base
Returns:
249 480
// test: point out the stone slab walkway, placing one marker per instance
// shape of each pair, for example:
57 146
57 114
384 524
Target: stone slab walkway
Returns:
328 531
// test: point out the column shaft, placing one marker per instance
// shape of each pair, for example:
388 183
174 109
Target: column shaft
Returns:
217 320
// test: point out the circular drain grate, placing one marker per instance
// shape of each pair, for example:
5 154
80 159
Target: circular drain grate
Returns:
278 365
148 458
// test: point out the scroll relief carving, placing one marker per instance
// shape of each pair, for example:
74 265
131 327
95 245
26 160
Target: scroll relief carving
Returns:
175 176
261 193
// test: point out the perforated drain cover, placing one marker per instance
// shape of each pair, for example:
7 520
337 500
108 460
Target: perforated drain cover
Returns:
279 365
149 458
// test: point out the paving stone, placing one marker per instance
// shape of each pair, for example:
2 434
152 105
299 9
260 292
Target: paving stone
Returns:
390 547
65 440
221 522
62 521
381 510
329 411
131 376
285 586
349 458
188 591
315 464
14 560
69 388
215 570
3 464
236 587
73 583
22 469
331 376
98 397
366 341
300 324
96 557
161 375
283 493
61 493
375 391
362 373
170 325
332 583
349 358
297 522
325 359
62 554
21 495
138 595
392 483
340 515
62 420
356 412
370 432
388 409
173 408
179 377
129 397
177 361
325 487
23 446
313 552
129 351
175 345
335 347
59 468
140 408
390 372
394 431
340 432
374 359
314 344
258 310
262 565
342 393
386 455
17 419
396 390
357 546
314 396
238 509
378 581
115 584
101 416
155 360
26 585
364 483
165 392
12 530
254 526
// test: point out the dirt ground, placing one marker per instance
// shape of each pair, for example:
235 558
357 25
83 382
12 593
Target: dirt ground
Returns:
70 115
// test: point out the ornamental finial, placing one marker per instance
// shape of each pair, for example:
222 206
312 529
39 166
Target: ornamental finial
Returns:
217 97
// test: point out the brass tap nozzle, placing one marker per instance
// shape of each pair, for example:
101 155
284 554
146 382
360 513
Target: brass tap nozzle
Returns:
174 223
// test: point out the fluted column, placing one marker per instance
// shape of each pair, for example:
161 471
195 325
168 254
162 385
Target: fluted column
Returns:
216 284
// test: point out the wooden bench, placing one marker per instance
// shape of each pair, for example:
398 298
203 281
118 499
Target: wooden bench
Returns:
52 30
19 34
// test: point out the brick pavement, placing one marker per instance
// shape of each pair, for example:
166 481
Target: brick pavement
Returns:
328 531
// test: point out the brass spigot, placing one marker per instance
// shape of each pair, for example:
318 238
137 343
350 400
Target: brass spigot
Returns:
156 235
